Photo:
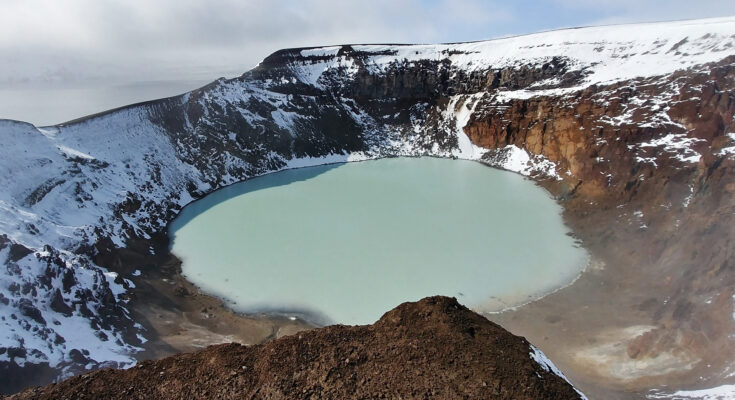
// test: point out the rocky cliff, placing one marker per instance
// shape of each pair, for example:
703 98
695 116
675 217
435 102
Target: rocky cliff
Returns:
631 127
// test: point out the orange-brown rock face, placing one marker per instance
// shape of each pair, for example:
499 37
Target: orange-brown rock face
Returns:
590 133
659 216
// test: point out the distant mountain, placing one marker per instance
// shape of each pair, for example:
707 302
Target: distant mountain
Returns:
611 116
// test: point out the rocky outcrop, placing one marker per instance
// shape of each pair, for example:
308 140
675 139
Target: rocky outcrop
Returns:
434 348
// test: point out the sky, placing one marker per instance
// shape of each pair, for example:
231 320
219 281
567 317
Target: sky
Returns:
81 43
73 41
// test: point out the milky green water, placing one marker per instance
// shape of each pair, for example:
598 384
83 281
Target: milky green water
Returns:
345 243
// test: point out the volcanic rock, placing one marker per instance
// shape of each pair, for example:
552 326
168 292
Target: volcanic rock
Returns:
434 348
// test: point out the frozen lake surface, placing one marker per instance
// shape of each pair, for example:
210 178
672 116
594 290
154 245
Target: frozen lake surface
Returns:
344 243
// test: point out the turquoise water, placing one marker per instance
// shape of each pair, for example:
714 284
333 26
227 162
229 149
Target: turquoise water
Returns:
344 243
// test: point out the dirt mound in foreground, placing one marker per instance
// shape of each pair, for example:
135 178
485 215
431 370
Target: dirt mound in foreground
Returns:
434 348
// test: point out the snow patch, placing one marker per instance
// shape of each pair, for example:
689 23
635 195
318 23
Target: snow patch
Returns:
513 158
461 108
540 358
724 392
74 153
678 144
728 150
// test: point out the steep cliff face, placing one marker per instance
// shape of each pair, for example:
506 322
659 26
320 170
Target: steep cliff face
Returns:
630 126
606 136
649 188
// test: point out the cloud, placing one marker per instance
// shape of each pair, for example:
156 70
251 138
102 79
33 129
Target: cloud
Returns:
626 11
72 41
49 40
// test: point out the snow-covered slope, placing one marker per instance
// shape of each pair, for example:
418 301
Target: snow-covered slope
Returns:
72 194
604 54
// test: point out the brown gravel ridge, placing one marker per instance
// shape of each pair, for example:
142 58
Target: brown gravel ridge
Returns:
433 348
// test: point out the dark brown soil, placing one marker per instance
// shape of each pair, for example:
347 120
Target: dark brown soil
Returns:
434 348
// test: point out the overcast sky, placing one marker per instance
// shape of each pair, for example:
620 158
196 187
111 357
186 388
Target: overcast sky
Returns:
73 41
63 59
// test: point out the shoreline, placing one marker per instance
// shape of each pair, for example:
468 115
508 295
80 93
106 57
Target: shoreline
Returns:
491 303
578 276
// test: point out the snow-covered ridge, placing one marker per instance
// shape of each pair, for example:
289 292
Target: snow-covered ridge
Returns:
60 185
606 54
